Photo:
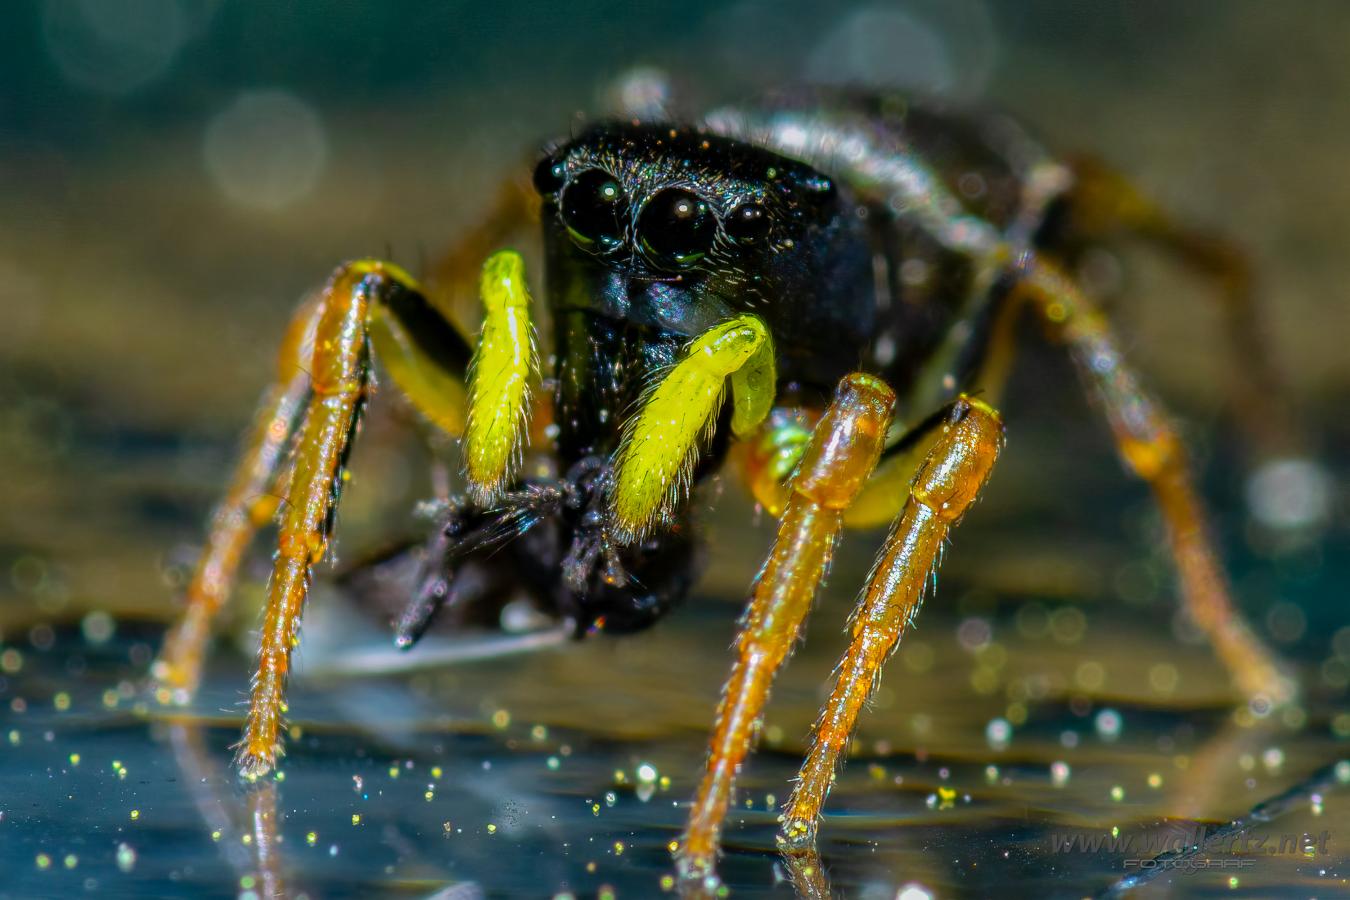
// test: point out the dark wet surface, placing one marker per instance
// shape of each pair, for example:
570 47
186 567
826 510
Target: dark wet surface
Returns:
566 769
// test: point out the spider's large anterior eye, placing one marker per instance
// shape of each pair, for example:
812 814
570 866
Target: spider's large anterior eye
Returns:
594 209
549 176
748 223
676 228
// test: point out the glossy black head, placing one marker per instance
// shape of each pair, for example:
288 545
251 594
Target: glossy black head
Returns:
676 229
652 235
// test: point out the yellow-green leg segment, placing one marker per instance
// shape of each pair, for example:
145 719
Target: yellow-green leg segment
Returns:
499 379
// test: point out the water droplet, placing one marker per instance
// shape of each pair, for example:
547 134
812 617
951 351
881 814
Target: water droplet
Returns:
1108 724
998 732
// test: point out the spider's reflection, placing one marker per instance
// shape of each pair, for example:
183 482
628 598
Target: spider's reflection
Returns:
246 818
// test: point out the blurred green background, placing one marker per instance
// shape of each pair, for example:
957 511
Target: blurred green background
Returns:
175 174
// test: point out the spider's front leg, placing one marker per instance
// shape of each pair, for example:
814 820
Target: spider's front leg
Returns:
840 457
943 489
339 381
367 304
340 374
322 359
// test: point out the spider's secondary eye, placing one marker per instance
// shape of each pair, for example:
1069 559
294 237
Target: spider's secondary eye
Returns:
676 228
748 223
549 176
594 209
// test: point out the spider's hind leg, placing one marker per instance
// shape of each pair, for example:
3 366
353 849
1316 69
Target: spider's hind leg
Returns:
1102 205
1151 448
248 504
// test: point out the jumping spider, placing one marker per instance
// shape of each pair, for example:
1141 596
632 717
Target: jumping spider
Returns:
851 267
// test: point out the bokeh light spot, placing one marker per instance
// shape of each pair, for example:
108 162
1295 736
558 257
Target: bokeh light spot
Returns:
114 46
266 150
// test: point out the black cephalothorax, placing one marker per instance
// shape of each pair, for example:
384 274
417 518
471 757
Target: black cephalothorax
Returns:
655 232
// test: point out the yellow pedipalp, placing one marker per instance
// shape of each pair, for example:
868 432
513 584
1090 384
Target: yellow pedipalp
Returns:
660 443
499 378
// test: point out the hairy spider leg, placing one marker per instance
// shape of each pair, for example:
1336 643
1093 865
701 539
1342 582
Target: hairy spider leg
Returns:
840 457
424 355
1104 204
499 379
264 816
807 874
655 460
1150 448
303 434
426 358
1147 442
248 504
943 489
1141 427
366 302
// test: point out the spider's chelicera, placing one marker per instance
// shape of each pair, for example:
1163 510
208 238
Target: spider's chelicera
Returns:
817 292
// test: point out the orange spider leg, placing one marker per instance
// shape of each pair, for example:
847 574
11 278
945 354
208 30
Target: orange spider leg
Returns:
296 457
263 811
944 487
1150 447
842 453
339 379
807 874
1104 203
248 505
339 383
